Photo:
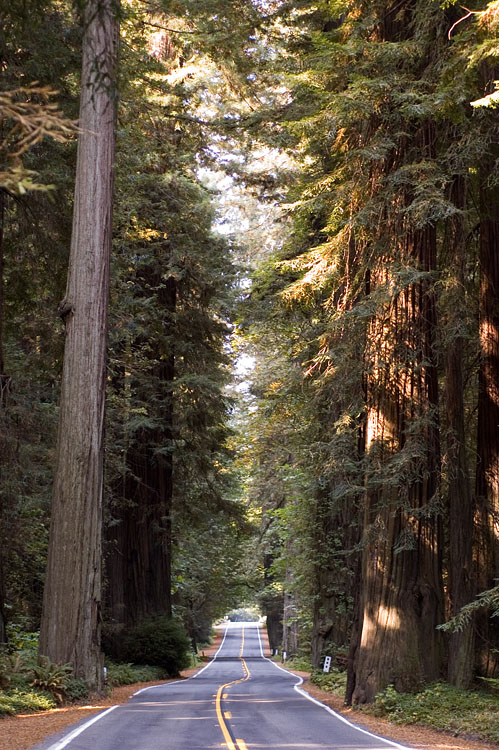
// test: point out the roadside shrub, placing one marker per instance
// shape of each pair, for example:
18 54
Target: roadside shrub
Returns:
25 701
52 678
19 639
128 674
300 663
13 670
334 681
75 689
441 706
159 642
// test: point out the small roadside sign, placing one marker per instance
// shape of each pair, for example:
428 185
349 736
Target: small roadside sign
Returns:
327 663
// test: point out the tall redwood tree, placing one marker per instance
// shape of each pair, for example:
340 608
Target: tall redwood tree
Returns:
70 630
487 478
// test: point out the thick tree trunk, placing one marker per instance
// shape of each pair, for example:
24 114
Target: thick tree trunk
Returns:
289 626
3 633
401 599
273 606
488 397
2 219
70 630
460 502
2 588
402 595
290 634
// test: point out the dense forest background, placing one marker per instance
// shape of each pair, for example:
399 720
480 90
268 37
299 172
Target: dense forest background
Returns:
302 378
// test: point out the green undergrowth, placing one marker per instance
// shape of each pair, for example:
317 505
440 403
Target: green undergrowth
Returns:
120 673
157 641
334 682
19 701
128 674
29 683
465 713
39 688
300 663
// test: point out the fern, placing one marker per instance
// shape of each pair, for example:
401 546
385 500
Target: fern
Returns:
52 678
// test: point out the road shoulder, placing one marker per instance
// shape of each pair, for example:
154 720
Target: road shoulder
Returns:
418 737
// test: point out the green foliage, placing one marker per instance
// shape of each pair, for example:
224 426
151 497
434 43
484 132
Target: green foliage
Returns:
158 641
171 305
244 614
128 674
21 670
75 689
20 640
334 681
300 663
442 707
492 683
488 600
25 701
354 110
13 670
52 678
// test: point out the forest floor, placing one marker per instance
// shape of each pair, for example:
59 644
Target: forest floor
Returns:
23 732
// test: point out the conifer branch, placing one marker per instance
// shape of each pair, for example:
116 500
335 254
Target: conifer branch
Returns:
172 31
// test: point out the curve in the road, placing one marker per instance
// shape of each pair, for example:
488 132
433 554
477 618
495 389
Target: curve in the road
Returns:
237 698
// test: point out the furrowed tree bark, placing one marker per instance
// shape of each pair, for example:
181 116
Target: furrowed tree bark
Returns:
70 629
290 631
3 635
2 218
460 501
272 606
2 588
401 602
402 593
487 479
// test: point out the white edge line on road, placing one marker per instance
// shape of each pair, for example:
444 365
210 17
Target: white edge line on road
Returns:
327 708
76 732
70 737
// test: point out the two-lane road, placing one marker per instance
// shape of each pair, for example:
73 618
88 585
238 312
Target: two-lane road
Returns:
239 701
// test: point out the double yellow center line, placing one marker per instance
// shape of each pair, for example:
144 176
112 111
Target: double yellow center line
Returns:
231 744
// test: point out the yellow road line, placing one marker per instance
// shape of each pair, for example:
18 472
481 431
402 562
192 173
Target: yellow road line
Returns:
218 705
223 725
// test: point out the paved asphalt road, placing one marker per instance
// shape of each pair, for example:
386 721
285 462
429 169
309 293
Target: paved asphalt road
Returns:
239 701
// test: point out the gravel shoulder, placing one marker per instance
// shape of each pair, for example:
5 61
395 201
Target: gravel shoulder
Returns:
23 732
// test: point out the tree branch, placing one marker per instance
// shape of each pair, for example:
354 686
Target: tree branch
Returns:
469 13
